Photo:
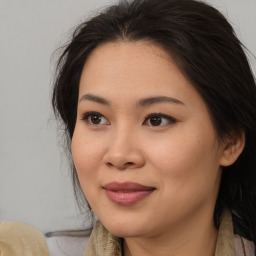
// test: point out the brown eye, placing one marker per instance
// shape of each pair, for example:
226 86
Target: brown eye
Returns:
158 120
94 118
155 120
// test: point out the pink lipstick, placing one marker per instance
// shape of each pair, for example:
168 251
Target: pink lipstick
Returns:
127 193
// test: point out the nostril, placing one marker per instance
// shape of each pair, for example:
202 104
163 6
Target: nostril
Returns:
109 165
120 166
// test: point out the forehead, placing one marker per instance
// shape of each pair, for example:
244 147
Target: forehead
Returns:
133 70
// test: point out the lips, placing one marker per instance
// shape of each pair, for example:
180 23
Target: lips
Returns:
127 193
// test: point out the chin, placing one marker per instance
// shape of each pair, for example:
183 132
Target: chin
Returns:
125 231
125 228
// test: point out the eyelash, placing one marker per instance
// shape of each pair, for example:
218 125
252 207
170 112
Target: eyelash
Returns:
171 120
85 117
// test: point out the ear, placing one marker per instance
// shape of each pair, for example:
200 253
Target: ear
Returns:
232 149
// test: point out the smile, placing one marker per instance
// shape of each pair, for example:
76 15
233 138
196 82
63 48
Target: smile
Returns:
127 193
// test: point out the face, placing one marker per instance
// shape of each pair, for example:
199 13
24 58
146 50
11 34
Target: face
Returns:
144 146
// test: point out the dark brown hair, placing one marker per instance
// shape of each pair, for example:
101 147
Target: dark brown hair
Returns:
205 48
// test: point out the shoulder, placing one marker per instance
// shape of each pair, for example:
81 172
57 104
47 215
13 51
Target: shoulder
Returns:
20 239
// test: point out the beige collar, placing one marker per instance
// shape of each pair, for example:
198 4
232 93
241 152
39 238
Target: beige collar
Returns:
225 241
103 243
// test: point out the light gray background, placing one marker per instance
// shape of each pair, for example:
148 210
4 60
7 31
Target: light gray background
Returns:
35 185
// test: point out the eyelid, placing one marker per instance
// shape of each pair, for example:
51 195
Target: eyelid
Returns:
170 119
86 115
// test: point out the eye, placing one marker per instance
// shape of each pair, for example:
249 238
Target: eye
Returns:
95 118
158 119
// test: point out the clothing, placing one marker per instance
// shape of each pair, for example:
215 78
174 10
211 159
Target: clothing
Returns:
17 239
103 243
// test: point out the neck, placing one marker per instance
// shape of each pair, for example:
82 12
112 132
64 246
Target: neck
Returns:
187 239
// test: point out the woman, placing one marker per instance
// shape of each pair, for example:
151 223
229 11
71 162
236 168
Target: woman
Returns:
158 102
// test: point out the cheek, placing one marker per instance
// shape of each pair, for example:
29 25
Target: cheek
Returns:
180 151
87 153
188 173
185 159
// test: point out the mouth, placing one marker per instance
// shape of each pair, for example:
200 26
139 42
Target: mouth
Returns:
127 193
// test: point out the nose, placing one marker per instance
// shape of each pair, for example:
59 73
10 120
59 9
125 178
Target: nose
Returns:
124 151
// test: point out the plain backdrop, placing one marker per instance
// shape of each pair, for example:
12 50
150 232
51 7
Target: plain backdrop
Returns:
35 185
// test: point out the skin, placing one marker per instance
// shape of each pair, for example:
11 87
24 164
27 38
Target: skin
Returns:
181 158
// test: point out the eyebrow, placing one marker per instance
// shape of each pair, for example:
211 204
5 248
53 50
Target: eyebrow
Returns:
141 103
158 99
94 98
